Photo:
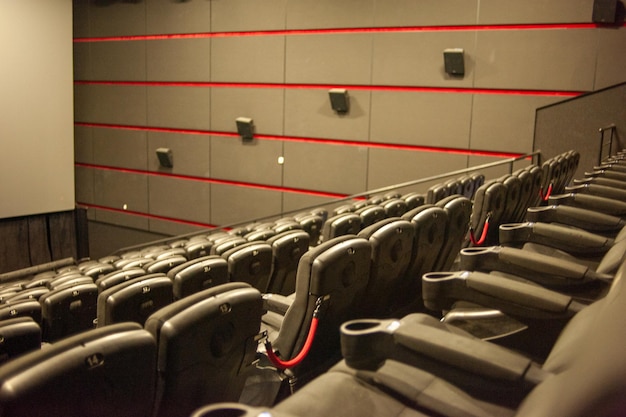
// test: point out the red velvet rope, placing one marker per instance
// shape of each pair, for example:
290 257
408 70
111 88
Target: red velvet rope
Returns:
281 364
548 193
483 236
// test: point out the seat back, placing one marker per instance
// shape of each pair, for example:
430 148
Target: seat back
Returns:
336 272
206 344
100 372
392 250
134 300
251 263
198 274
371 214
487 212
117 277
19 335
287 249
67 311
340 225
394 207
458 209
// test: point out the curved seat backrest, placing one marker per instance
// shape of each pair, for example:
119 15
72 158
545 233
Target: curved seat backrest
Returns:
198 274
250 262
287 249
458 209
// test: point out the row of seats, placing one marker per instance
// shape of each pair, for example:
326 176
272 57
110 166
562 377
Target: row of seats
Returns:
556 278
346 273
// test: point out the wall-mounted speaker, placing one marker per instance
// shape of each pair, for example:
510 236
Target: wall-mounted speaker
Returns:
604 11
339 100
166 157
454 61
245 128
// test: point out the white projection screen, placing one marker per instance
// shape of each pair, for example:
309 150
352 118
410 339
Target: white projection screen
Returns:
36 107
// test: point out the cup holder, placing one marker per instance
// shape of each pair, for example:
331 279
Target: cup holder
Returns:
356 327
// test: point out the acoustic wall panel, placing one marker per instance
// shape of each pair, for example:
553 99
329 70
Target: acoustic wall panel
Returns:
540 59
534 11
330 13
112 104
178 60
116 18
246 15
119 218
505 122
106 57
611 66
248 59
84 185
263 105
180 199
424 12
191 153
82 60
331 168
120 148
121 190
179 107
80 18
329 58
308 113
252 162
83 144
297 202
421 64
424 119
388 166
231 205
164 16
172 227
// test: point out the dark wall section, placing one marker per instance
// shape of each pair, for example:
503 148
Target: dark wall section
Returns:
163 74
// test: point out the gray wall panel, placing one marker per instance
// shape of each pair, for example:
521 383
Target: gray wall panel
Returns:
180 199
114 104
308 113
106 57
611 66
179 107
425 12
388 167
82 60
120 18
335 59
84 183
238 204
170 228
80 18
179 60
427 119
242 15
264 105
83 144
120 148
121 219
536 59
534 11
124 191
417 58
165 16
191 153
332 168
255 162
505 122
297 201
257 59
305 14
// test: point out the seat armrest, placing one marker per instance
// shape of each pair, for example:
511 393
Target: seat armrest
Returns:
367 344
519 298
277 303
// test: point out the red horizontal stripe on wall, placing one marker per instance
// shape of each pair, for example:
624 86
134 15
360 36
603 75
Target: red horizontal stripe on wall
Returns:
146 215
295 32
214 181
396 88
321 141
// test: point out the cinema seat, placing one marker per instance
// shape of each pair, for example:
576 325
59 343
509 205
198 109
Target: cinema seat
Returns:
198 274
250 262
340 225
207 343
98 373
287 249
458 209
67 311
19 335
330 283
589 220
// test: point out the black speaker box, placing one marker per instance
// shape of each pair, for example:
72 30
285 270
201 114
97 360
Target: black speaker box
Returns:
166 158
604 11
245 128
339 100
453 61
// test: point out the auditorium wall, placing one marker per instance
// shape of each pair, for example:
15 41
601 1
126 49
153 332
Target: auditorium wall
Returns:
170 74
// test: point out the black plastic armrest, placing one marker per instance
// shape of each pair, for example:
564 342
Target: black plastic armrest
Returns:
534 266
366 344
440 290
276 303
